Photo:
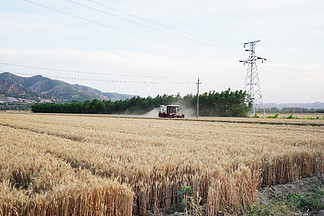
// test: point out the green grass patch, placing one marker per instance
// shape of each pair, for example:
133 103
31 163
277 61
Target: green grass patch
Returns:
292 204
256 116
274 116
292 117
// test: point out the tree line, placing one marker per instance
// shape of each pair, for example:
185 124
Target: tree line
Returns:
226 103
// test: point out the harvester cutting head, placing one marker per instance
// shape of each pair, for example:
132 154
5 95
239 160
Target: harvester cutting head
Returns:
170 111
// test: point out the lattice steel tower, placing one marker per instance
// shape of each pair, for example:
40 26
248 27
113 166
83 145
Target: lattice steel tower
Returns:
252 83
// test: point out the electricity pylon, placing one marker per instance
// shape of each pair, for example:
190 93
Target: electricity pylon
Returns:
252 83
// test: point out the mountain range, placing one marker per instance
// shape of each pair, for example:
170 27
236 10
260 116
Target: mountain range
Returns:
315 105
15 88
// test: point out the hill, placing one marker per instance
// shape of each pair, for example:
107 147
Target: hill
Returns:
14 88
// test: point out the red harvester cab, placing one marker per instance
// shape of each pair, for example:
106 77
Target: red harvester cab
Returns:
170 111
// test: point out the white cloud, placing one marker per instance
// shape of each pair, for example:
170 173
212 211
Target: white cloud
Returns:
290 32
179 72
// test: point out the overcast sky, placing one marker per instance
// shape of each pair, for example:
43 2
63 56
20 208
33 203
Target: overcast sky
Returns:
150 47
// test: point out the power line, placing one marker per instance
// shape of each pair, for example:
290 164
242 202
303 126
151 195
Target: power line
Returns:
220 83
147 26
121 30
138 82
267 94
77 71
159 24
97 80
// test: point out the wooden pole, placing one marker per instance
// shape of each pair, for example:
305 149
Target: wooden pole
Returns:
198 83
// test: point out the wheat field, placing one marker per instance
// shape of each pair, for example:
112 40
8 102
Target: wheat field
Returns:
54 164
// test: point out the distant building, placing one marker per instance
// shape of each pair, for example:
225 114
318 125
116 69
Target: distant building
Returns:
45 101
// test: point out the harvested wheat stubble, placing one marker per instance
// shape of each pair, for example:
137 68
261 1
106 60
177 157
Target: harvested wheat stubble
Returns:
224 163
33 182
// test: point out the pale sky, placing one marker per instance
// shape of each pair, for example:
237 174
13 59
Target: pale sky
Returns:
150 47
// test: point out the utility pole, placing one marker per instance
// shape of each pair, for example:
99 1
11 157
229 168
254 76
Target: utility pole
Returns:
252 83
198 83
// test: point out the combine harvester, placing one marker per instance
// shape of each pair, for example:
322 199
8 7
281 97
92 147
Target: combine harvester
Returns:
170 111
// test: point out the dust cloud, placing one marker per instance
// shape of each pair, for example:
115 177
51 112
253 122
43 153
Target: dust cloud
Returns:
185 109
152 114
